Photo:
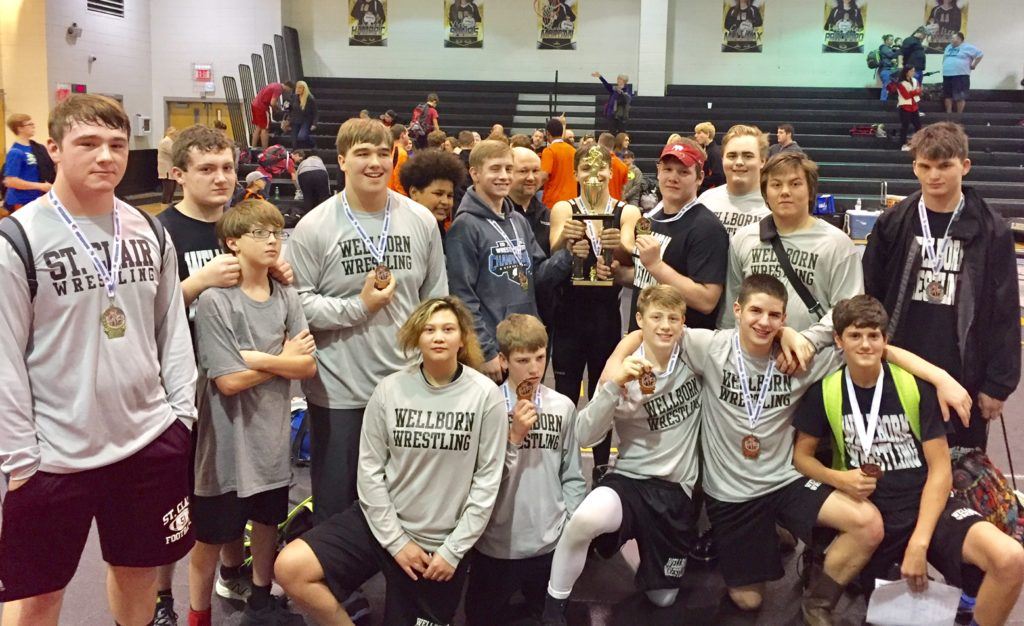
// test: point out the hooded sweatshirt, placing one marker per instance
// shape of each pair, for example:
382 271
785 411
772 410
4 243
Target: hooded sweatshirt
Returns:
490 259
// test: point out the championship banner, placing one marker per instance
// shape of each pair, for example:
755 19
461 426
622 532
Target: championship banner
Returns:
368 22
844 25
556 23
463 23
943 19
742 25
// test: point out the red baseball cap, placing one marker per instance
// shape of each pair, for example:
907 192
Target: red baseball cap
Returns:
684 153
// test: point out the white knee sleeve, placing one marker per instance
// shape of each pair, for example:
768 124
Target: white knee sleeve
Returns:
599 513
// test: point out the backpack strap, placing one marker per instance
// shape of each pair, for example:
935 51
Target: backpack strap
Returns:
12 230
158 230
768 232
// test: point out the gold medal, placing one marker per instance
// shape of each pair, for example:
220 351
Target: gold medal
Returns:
751 447
381 277
643 226
114 322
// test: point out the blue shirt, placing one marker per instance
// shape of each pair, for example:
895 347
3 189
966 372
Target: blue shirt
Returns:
21 163
956 61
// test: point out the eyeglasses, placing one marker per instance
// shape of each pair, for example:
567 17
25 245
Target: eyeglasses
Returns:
262 234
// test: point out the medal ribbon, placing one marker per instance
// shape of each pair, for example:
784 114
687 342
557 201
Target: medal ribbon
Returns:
380 249
508 398
515 249
595 241
937 258
110 276
865 432
753 410
671 361
660 207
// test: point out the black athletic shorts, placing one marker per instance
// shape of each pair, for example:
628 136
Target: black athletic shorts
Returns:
945 552
493 582
656 513
221 519
956 87
140 505
748 546
350 555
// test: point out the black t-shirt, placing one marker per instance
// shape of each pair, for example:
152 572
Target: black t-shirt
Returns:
930 328
895 447
195 241
695 245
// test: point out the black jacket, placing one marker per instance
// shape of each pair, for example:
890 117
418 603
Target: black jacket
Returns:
299 116
913 52
988 309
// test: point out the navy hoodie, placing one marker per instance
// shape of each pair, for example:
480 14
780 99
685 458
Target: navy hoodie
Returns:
484 272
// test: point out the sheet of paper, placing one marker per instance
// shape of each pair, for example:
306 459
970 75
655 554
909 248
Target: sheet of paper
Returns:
893 604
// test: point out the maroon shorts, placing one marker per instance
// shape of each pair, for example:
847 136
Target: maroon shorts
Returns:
259 116
140 505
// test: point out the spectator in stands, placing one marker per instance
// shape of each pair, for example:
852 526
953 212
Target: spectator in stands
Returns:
621 144
913 51
958 60
312 179
570 137
255 183
495 264
909 90
432 176
476 138
432 121
558 177
538 141
520 141
888 58
704 134
620 96
619 170
784 141
955 302
164 164
449 145
496 130
739 202
435 139
303 116
399 155
22 175
364 114
635 180
268 98
389 118
588 141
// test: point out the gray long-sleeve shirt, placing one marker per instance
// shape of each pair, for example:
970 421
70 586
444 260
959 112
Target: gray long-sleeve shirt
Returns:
72 399
657 432
430 461
543 487
355 350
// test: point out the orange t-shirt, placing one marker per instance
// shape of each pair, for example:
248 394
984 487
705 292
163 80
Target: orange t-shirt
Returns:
395 184
620 176
556 160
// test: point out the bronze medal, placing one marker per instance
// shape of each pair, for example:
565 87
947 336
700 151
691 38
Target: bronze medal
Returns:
524 280
114 322
648 381
751 447
643 226
872 470
381 277
524 390
935 292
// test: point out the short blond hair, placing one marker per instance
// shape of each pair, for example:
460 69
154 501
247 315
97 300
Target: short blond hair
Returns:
243 217
360 130
486 150
470 353
705 127
661 296
520 332
743 130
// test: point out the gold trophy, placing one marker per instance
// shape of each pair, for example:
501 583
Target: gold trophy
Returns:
583 272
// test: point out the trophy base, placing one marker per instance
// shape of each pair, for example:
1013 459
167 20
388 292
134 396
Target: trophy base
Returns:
592 283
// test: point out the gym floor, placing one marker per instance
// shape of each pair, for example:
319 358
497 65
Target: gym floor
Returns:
604 595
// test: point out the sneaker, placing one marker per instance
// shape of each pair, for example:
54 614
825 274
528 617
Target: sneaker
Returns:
704 548
298 194
358 608
235 588
276 613
554 611
164 614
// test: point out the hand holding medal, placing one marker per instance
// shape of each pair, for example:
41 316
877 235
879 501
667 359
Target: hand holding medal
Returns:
523 415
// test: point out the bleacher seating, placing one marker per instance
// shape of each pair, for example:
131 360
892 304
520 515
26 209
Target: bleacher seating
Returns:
851 167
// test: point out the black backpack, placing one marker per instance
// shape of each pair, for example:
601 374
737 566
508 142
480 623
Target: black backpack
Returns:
12 230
